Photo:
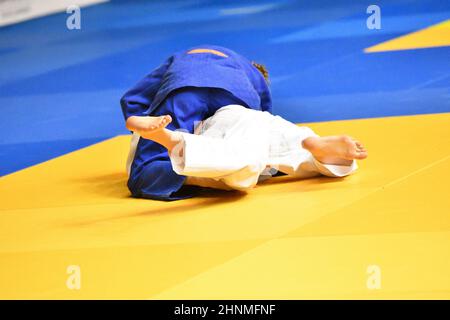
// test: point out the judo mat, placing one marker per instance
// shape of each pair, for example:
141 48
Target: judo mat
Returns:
382 233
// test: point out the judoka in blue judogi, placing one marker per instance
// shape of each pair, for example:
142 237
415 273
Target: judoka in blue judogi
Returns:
190 86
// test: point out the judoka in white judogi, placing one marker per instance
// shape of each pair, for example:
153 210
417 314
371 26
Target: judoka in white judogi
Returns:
238 147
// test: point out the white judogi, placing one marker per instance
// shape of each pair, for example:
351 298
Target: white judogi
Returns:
237 147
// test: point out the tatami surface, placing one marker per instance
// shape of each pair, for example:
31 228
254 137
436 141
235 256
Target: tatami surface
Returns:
288 239
64 204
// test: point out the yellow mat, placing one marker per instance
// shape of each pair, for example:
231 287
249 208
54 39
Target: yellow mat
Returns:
437 35
286 239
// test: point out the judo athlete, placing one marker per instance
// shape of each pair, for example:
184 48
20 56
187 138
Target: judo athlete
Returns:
190 86
203 119
238 147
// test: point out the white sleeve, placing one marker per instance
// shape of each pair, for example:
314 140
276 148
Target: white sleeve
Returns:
207 157
331 170
133 145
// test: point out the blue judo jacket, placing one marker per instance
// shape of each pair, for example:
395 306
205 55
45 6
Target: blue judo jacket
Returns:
229 76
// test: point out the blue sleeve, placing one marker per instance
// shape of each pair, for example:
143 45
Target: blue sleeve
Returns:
261 87
138 99
159 182
263 90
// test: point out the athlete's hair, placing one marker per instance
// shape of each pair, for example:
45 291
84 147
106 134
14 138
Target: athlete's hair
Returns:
262 68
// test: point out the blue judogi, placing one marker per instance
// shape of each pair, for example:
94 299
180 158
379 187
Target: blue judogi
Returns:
190 86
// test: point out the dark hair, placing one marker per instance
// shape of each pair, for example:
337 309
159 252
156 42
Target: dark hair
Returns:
262 68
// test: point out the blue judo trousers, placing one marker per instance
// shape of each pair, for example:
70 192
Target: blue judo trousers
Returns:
190 86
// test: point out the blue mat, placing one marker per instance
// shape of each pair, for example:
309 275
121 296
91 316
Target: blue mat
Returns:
60 88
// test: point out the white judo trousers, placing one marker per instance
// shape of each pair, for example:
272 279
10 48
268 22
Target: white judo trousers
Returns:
238 147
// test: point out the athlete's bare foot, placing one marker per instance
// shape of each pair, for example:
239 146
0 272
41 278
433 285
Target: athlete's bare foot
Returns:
147 126
336 150
154 128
